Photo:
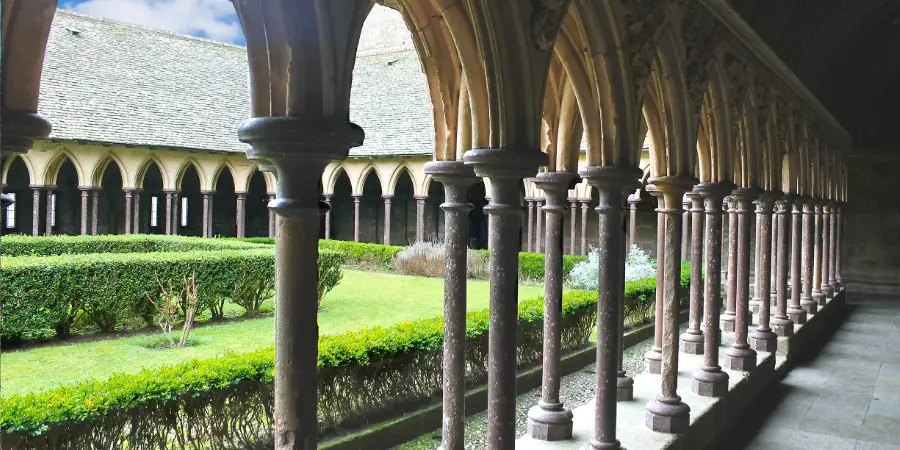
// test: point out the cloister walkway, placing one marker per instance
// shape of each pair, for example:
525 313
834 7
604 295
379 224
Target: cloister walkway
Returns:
848 396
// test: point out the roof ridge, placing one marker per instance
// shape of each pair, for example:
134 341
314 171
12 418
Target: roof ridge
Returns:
151 29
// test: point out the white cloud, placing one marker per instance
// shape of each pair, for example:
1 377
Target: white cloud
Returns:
213 19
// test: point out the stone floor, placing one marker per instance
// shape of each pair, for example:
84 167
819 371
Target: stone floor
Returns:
848 396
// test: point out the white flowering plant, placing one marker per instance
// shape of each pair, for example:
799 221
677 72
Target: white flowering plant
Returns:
586 274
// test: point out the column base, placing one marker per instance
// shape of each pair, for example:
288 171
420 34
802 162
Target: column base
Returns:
763 341
827 290
653 360
668 416
549 422
710 383
819 297
726 322
835 286
783 327
741 358
809 305
624 388
597 445
798 316
692 342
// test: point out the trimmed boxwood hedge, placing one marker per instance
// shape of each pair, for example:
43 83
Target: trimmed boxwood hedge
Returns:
47 293
226 402
20 245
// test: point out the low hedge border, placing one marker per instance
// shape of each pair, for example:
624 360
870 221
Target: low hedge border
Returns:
21 245
364 376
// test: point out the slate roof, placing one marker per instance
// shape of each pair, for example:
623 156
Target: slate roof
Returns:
112 82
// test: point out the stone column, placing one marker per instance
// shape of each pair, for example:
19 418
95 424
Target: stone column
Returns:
624 382
584 225
795 311
837 247
529 246
356 199
85 191
95 210
653 357
273 220
810 305
728 317
667 413
241 219
176 211
128 206
387 218
632 221
817 295
773 270
826 250
686 229
168 214
328 198
763 339
573 226
711 380
136 197
420 217
782 324
207 212
692 339
740 356
538 227
456 178
550 420
51 211
505 169
36 210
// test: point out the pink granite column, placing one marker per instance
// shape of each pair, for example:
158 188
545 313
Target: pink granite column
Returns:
387 218
51 211
169 213
85 193
782 324
240 211
826 250
328 198
273 219
837 253
817 295
763 338
692 338
539 225
356 200
653 357
584 225
795 310
728 317
632 221
95 210
740 356
573 226
36 223
136 197
529 245
420 217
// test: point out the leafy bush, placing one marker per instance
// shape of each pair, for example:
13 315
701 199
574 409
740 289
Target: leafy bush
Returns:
226 402
357 252
330 273
20 245
586 274
427 259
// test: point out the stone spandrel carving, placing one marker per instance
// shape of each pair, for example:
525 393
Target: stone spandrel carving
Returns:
545 22
642 19
700 31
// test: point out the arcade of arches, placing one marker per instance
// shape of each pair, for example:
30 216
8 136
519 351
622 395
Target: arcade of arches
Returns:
516 86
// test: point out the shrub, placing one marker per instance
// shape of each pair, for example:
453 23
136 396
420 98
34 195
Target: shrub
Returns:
586 274
427 259
330 273
226 402
357 252
20 245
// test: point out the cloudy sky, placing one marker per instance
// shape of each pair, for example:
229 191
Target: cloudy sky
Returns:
216 20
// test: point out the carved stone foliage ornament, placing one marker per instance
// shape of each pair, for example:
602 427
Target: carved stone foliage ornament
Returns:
642 19
545 21
699 39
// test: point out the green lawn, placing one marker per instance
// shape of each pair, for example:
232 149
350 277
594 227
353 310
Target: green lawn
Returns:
363 299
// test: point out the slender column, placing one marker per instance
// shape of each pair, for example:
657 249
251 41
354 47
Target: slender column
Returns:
420 217
539 232
728 317
573 227
95 210
128 206
387 218
611 184
168 213
711 380
51 211
667 413
356 200
782 324
85 190
456 178
624 382
810 305
241 219
795 310
763 339
832 252
653 357
136 197
632 221
328 198
757 255
740 356
550 420
773 279
529 246
176 211
817 295
505 169
36 210
837 253
826 250
584 225
207 212
692 339
686 229
272 218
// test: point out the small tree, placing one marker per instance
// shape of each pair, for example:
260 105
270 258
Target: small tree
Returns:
169 307
330 272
